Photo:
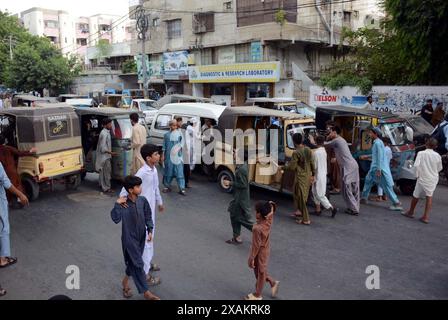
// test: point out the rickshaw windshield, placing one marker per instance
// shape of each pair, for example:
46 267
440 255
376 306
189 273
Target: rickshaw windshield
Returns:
298 128
147 106
396 132
122 128
288 107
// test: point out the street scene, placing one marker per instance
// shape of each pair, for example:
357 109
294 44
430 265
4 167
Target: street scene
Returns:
236 150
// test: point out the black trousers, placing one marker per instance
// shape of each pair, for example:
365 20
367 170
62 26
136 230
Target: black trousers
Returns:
187 173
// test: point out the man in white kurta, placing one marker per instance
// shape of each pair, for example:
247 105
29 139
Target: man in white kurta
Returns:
150 190
428 164
319 188
137 141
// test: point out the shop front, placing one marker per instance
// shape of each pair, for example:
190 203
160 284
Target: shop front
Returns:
233 84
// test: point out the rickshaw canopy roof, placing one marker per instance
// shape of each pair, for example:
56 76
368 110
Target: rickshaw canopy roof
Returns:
350 111
48 127
29 97
107 112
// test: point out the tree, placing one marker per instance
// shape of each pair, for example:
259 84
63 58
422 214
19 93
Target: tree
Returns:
421 29
129 66
103 49
37 64
410 49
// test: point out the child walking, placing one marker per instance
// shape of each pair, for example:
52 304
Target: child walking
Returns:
260 250
137 226
150 190
428 164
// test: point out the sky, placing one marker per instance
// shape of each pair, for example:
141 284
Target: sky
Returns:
75 7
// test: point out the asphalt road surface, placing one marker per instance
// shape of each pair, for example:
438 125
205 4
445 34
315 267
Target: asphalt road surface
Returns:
327 260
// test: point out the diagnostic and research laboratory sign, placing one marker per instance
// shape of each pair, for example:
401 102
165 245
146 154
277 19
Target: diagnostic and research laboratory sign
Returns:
233 73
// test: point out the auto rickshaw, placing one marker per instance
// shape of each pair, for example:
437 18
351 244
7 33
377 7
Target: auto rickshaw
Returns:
245 118
26 100
53 129
121 134
111 100
355 124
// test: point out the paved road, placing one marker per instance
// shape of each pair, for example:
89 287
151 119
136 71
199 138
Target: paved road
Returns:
325 261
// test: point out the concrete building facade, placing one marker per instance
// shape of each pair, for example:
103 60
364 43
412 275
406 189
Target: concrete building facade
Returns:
236 49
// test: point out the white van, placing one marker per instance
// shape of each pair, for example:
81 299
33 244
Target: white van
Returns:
200 111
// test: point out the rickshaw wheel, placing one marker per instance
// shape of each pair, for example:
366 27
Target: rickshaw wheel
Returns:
226 175
31 188
72 182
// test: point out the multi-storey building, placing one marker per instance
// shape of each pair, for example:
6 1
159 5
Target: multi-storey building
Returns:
75 35
244 48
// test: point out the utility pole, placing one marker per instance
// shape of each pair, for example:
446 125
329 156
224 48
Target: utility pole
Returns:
142 29
10 47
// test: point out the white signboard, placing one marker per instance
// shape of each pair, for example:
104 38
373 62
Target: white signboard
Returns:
385 98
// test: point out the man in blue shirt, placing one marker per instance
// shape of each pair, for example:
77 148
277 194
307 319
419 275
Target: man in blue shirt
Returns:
5 247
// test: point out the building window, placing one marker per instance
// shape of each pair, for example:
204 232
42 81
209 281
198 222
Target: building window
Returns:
203 22
242 53
228 5
207 56
51 24
81 42
258 90
104 27
252 12
156 22
174 28
83 27
347 19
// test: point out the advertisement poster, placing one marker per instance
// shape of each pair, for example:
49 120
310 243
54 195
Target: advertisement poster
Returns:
175 65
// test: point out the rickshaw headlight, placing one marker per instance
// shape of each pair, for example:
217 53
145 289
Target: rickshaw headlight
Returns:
41 167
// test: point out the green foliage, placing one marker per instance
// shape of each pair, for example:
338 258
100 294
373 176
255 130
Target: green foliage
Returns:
36 64
280 17
411 49
103 48
129 66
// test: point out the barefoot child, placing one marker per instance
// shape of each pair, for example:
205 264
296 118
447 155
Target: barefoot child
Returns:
137 228
260 250
428 164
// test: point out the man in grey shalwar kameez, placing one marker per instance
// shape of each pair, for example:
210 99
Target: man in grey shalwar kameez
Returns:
349 169
103 163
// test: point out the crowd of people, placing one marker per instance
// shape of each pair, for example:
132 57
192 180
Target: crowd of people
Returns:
140 199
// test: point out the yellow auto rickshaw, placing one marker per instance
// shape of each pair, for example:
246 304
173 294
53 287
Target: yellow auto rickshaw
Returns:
53 130
271 154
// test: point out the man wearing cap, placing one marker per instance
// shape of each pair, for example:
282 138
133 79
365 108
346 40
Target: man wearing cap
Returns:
379 172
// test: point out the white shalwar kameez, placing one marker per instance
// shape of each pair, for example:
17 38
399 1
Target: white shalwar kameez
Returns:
320 185
428 165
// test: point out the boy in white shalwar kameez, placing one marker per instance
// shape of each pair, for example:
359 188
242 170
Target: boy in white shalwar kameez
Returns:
320 185
150 190
428 165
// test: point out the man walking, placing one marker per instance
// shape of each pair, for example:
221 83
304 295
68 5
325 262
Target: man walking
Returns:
349 169
173 159
137 141
104 155
379 172
427 111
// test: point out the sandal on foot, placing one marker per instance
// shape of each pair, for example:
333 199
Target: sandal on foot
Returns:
2 292
151 297
154 267
251 296
305 223
127 293
9 262
424 221
407 215
234 241
153 281
274 290
166 190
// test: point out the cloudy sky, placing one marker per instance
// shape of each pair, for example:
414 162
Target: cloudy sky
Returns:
76 7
